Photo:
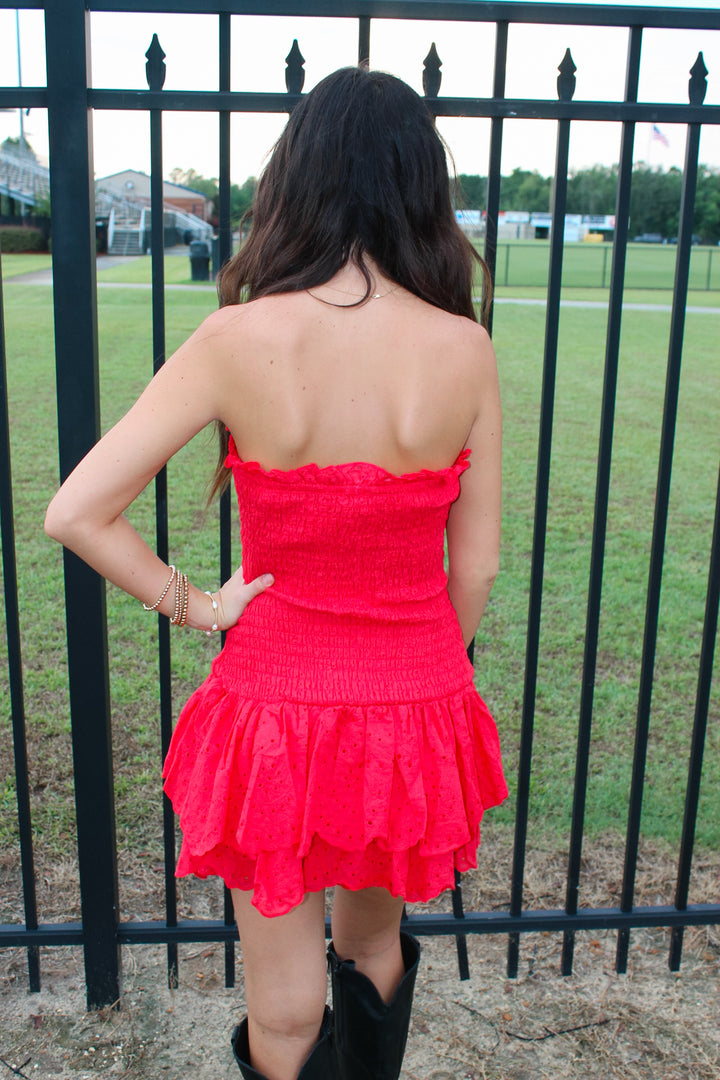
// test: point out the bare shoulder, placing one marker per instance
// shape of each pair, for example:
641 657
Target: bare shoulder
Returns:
231 331
474 338
221 323
252 322
465 343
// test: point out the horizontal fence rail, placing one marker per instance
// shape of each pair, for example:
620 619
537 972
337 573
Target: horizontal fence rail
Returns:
425 925
70 102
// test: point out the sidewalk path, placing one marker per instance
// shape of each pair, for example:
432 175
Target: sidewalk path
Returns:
601 304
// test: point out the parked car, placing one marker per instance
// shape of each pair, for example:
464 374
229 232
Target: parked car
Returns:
649 238
695 240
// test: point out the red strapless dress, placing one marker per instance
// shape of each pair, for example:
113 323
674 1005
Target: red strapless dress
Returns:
339 739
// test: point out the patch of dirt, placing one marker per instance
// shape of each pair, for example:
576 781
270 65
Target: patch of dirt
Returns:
649 1024
646 1025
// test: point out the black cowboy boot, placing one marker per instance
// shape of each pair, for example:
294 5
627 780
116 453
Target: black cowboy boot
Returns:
370 1036
320 1065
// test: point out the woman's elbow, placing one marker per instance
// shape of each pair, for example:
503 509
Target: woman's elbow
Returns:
492 570
54 524
61 522
478 577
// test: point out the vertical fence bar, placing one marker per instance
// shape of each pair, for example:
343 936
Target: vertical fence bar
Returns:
602 490
492 208
566 85
225 573
225 253
460 939
431 79
702 702
15 669
67 44
657 550
492 204
364 40
224 223
155 70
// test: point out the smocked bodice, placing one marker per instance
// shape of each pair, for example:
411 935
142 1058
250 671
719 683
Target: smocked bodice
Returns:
359 610
351 539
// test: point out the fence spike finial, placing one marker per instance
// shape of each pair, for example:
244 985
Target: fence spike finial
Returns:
432 76
697 87
566 78
294 72
155 68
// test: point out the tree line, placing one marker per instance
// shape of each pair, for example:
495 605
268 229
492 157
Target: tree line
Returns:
241 195
654 197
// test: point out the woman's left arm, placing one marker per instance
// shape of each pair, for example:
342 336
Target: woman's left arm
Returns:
87 514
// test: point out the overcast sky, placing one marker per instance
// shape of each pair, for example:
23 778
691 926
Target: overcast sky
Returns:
259 47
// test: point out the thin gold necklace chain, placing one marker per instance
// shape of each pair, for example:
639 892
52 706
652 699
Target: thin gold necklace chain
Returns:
345 292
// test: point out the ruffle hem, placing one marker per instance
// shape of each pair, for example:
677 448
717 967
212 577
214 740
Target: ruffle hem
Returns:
287 798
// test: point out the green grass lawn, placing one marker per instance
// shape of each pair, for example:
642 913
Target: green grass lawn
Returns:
139 271
13 265
126 364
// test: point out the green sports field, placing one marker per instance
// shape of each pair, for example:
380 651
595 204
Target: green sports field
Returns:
589 265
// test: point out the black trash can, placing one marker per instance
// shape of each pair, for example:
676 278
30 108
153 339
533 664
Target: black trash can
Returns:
200 260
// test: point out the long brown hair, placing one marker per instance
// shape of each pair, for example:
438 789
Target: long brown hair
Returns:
359 168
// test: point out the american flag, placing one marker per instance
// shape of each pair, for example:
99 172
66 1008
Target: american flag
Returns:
660 136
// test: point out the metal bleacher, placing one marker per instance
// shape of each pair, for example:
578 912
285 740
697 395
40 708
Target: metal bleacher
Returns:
27 182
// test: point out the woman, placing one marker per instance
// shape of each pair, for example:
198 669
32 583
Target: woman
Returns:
339 740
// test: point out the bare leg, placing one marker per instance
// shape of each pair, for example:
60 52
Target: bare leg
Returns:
285 982
366 929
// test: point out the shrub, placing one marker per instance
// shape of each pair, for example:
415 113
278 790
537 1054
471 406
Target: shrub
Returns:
14 238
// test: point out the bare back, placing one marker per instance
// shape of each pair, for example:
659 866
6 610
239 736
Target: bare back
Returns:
395 381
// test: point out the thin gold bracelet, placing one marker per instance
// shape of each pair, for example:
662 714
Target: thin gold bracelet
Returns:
214 603
163 594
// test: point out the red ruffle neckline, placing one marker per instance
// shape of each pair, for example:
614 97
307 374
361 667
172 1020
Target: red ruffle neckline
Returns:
351 472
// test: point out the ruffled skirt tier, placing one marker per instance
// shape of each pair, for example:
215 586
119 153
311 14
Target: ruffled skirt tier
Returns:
286 798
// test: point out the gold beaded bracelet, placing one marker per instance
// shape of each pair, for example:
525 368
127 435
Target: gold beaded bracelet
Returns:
179 617
163 594
182 597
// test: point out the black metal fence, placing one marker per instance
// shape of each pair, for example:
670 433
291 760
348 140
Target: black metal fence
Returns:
70 102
